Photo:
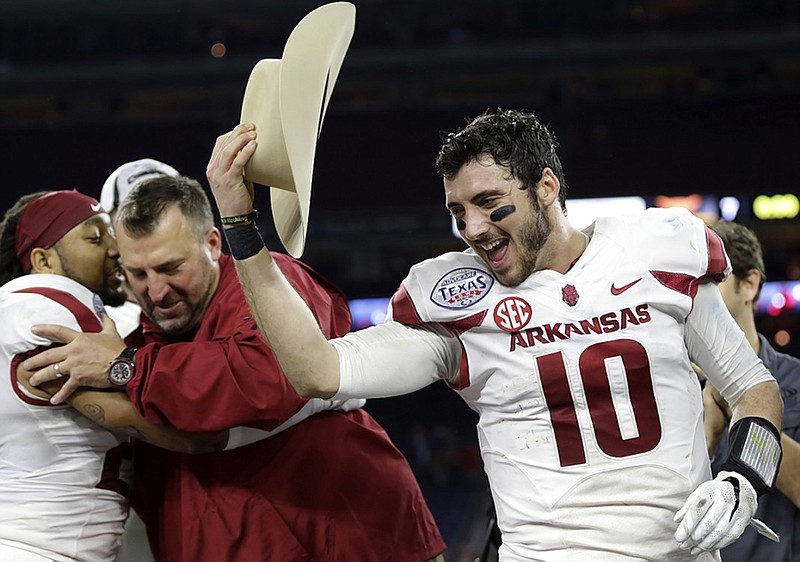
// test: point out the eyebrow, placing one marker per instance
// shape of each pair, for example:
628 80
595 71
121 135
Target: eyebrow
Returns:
487 192
160 267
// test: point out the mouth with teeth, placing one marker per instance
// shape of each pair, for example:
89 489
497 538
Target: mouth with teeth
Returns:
496 251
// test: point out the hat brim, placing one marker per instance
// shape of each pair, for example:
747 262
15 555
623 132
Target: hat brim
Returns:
287 100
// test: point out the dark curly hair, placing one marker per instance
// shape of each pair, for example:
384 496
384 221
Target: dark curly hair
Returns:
516 140
9 264
743 249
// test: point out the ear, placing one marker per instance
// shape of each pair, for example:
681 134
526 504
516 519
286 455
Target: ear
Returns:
548 189
214 241
749 285
45 261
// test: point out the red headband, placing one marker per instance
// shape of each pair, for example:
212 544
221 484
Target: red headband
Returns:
46 219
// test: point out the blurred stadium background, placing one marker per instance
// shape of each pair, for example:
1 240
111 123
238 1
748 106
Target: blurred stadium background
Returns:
687 102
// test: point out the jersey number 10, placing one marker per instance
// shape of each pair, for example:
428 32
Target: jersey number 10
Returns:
624 364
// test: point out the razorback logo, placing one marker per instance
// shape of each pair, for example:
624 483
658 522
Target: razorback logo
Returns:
512 314
461 288
569 294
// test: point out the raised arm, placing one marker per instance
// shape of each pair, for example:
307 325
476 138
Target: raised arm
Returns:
310 363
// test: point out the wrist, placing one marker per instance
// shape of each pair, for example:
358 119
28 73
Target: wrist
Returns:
244 241
239 219
755 452
121 369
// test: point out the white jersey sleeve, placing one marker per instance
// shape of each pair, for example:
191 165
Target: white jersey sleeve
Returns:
718 345
392 359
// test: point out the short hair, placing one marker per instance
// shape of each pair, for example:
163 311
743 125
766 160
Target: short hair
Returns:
142 209
10 267
743 249
514 139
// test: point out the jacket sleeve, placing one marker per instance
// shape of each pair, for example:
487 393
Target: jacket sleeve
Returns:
227 376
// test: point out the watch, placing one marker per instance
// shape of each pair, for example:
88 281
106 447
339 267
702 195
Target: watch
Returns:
120 371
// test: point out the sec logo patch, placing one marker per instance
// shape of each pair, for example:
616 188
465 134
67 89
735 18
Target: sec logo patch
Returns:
461 288
512 314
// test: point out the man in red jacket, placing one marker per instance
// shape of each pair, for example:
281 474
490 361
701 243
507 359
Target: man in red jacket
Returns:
202 365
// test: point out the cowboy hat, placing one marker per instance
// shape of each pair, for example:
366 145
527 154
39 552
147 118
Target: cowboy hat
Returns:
286 99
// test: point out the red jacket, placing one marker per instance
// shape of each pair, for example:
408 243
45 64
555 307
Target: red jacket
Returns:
332 488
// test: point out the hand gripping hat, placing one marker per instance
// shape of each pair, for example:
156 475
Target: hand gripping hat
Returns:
122 180
286 99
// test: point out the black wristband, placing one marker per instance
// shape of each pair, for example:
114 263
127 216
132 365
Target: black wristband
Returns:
755 452
239 219
244 241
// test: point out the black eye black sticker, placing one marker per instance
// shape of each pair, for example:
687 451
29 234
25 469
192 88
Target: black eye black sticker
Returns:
501 213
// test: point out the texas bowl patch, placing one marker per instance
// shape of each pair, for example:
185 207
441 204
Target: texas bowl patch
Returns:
461 288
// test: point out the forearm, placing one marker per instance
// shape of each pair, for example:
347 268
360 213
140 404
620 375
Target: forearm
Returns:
762 401
789 475
308 360
715 419
114 411
718 346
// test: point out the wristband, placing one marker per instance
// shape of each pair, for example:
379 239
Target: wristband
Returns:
244 241
756 452
239 219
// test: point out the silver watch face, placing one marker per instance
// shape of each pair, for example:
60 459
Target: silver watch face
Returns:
120 372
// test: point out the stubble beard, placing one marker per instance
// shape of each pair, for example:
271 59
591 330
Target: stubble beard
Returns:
532 238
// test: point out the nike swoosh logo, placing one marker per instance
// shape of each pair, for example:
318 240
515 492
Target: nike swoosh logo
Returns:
619 290
96 208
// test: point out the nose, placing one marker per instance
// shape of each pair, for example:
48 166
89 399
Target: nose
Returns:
157 288
475 225
113 250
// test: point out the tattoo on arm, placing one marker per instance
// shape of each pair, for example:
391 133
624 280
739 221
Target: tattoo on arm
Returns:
95 413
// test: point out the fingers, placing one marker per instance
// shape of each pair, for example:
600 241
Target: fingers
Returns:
109 326
50 372
225 171
227 157
55 332
689 515
65 391
48 356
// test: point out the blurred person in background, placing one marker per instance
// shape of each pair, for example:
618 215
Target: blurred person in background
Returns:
780 509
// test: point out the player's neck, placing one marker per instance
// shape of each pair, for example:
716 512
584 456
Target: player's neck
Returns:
578 244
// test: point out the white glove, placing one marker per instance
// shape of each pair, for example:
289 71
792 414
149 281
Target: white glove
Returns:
716 513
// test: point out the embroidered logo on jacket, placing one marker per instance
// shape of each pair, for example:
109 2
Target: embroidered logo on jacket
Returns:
512 314
461 288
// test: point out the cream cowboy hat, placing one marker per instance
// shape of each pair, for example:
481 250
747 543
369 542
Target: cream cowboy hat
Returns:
286 99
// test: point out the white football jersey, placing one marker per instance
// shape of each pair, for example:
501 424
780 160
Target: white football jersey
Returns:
63 479
590 415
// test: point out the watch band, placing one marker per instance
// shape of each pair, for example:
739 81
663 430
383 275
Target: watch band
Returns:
128 353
